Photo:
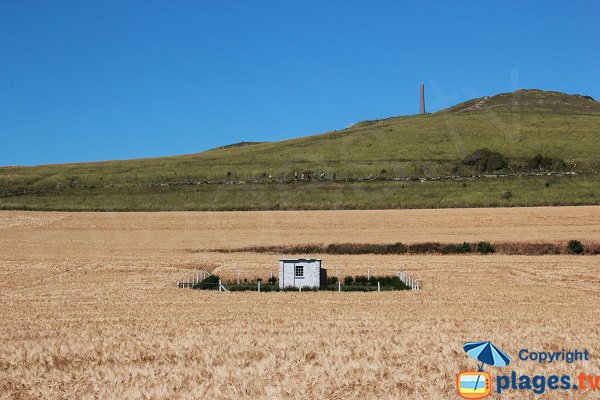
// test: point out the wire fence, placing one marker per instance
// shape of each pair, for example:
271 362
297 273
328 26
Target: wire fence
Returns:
202 280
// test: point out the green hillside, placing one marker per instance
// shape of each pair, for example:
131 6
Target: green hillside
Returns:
410 161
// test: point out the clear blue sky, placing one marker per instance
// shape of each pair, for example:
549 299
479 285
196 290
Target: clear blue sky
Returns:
97 80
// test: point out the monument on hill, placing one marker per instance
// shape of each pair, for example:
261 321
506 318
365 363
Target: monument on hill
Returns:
422 108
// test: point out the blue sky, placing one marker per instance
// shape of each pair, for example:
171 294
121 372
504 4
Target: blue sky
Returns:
100 80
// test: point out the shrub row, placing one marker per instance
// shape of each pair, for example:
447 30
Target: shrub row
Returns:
365 248
252 288
387 282
332 288
514 248
356 248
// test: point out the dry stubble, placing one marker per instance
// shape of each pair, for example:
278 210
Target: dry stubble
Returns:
89 309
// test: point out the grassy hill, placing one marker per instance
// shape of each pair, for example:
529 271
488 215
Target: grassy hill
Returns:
410 161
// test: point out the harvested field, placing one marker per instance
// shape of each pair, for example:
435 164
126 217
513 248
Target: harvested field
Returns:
89 308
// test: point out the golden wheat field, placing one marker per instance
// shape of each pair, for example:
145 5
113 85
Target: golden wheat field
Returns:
89 306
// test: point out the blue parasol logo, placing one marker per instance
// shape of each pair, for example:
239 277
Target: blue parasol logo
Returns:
486 353
477 385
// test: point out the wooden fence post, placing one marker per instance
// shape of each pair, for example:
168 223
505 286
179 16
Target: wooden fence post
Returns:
259 286
238 276
219 285
378 287
339 286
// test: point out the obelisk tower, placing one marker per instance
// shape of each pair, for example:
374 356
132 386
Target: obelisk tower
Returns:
422 109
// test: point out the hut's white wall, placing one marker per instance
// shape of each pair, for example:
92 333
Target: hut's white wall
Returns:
287 274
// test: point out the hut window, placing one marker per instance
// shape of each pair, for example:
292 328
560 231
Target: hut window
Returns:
299 271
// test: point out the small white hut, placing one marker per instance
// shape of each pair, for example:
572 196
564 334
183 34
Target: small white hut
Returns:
301 272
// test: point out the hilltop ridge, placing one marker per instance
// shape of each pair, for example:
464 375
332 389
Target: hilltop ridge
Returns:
531 100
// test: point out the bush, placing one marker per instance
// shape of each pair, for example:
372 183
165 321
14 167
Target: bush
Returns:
575 247
465 248
341 248
457 248
348 280
395 248
388 281
485 160
272 280
332 280
269 288
425 248
361 280
545 164
210 283
485 248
